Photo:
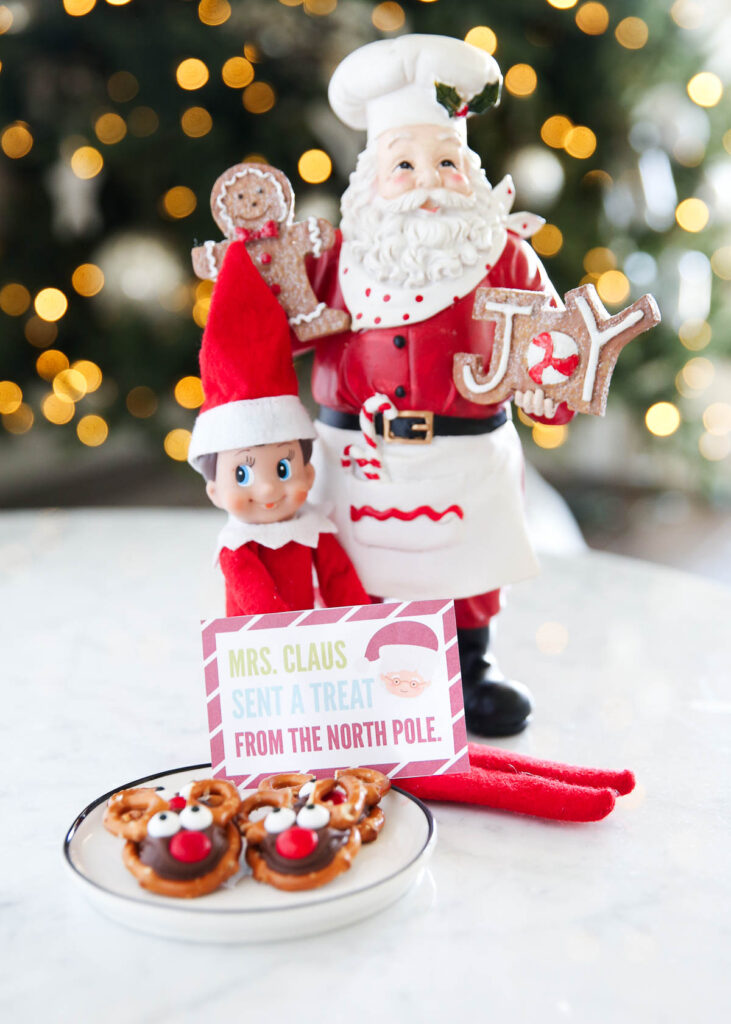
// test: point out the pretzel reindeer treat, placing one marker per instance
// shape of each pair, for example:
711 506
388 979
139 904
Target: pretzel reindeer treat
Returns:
178 844
302 847
254 203
377 785
568 353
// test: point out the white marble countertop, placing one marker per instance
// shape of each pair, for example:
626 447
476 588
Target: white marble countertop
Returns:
624 920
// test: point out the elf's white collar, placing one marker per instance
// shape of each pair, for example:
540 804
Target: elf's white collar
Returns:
305 528
379 304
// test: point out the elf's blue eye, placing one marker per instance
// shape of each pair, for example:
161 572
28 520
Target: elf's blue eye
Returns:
284 469
244 476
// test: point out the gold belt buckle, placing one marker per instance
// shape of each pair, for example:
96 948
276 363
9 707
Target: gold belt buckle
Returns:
426 428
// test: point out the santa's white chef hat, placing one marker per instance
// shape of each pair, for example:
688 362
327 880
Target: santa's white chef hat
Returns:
404 646
414 79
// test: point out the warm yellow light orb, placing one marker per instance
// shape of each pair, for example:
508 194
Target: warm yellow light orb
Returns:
632 33
613 287
546 436
705 89
90 372
191 74
580 142
662 419
698 373
717 418
110 128
483 38
20 421
14 299
314 166
179 202
521 80
40 333
86 162
592 18
599 259
196 122
56 410
189 392
388 17
141 402
214 12
695 334
237 72
92 431
720 263
548 240
87 279
51 362
555 130
692 215
122 86
713 447
563 5
69 385
77 8
176 444
50 304
259 97
16 140
11 396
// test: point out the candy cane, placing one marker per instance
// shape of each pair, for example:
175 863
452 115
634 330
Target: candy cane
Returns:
354 456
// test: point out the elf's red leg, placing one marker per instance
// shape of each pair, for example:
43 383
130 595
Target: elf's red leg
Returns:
482 756
524 794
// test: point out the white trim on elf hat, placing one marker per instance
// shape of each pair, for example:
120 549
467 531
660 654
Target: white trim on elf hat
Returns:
404 646
393 83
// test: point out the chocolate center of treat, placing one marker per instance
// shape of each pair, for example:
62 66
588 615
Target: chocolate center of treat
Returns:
155 854
329 841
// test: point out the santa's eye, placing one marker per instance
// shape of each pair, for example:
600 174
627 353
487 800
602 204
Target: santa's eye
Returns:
280 819
313 816
196 817
405 166
448 163
306 790
244 476
284 469
163 825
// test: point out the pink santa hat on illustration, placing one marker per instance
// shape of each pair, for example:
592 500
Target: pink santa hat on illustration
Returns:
406 654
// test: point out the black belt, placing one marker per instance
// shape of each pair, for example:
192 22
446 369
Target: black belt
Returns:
416 425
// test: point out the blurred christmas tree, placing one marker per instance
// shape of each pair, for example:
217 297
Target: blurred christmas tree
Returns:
116 116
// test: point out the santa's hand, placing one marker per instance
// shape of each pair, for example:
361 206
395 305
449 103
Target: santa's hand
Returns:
535 403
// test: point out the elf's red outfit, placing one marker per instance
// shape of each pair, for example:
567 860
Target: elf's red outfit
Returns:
261 579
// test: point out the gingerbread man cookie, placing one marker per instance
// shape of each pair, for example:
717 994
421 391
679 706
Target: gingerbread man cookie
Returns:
178 844
254 203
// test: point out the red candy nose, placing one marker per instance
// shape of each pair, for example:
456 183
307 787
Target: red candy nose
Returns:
177 803
189 846
295 842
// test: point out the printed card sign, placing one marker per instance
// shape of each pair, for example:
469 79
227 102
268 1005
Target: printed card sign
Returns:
374 685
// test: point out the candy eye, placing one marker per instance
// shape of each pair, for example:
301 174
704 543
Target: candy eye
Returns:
279 819
306 790
196 817
244 476
284 469
313 816
163 824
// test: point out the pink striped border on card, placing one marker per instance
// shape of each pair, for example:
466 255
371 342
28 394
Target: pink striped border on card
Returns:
329 616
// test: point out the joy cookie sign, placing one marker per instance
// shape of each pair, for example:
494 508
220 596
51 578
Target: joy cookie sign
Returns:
319 690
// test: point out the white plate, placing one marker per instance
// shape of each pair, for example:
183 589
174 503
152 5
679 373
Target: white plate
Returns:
249 911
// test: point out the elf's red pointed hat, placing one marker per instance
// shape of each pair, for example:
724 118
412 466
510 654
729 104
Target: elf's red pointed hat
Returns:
246 367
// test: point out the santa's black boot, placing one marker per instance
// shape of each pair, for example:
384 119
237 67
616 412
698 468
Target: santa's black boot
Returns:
493 706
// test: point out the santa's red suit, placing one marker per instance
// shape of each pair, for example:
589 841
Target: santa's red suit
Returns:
446 517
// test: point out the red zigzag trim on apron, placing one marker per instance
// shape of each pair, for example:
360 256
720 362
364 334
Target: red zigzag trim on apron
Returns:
396 513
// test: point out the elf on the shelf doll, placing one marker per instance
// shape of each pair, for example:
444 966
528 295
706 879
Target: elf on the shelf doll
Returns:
252 441
440 513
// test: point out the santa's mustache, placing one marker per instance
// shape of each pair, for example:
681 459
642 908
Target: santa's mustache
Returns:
444 198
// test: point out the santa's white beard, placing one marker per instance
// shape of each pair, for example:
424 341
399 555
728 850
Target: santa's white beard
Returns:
398 242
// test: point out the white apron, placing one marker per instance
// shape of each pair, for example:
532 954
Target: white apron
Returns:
448 522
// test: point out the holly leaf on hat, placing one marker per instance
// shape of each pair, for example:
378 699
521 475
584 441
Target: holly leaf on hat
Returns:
449 98
489 97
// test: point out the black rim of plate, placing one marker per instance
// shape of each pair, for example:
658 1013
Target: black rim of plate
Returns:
188 905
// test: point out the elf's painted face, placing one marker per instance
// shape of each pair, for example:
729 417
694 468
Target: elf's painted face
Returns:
423 156
264 484
405 684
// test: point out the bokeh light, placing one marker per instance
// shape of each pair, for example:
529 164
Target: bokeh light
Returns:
314 166
580 142
662 419
11 396
141 402
176 444
552 436
592 18
20 421
51 362
143 121
320 8
695 334
87 279
388 17
196 122
90 372
86 162
40 333
237 72
50 304
92 430
214 12
77 8
705 89
713 447
692 215
14 299
191 74
179 202
521 80
698 373
16 140
110 128
599 259
483 38
56 410
613 287
632 33
563 5
717 418
548 240
122 87
721 262
259 97
189 392
69 385
555 130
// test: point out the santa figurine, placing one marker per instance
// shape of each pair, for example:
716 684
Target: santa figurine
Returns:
252 441
427 485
